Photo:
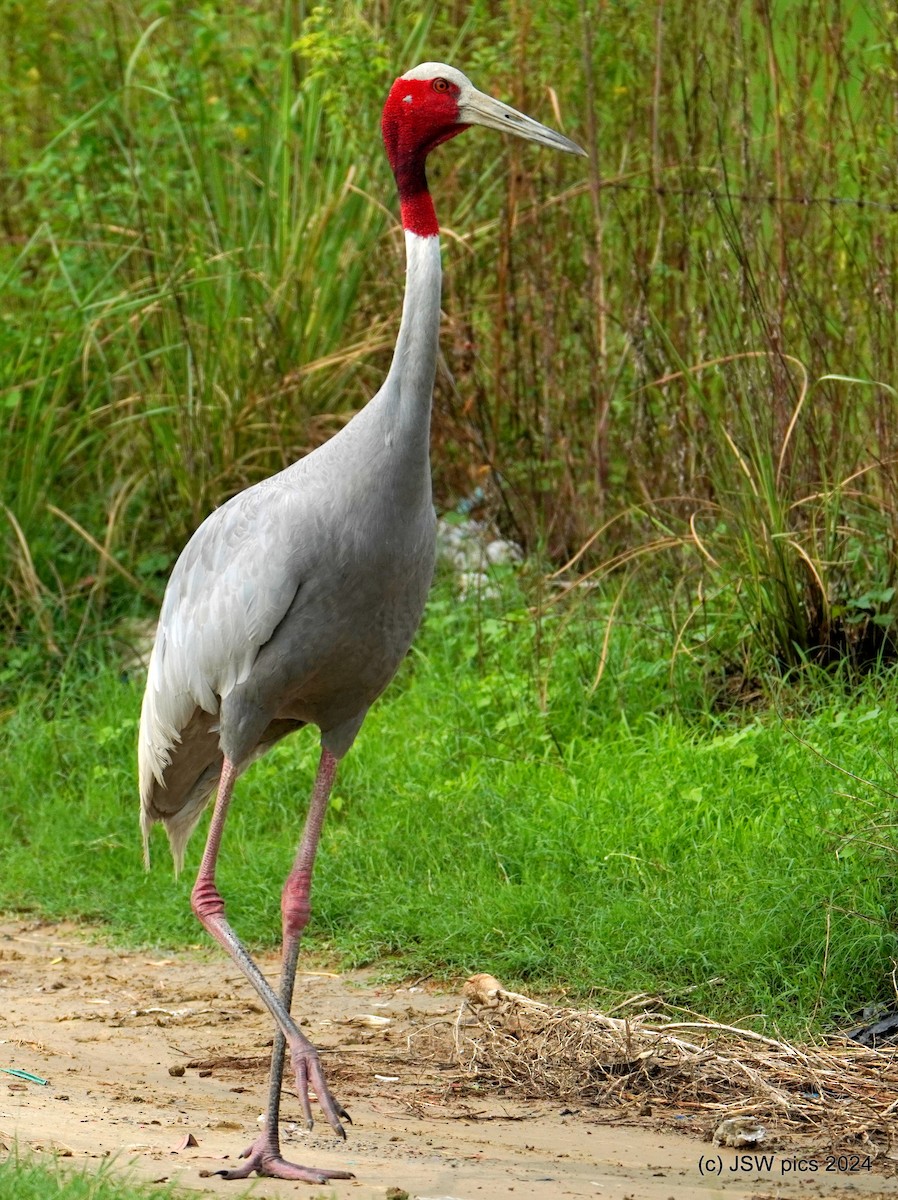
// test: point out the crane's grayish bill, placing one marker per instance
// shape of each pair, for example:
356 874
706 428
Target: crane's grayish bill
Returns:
480 109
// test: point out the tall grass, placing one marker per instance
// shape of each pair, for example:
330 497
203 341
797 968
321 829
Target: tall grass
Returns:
179 315
700 337
694 332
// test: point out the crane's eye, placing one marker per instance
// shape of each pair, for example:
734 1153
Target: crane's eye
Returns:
441 85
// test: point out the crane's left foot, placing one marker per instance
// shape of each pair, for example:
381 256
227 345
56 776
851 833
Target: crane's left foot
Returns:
307 1069
263 1157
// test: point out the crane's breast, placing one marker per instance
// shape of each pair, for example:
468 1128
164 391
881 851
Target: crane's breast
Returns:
343 636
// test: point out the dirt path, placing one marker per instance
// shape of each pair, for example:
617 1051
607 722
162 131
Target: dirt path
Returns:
106 1029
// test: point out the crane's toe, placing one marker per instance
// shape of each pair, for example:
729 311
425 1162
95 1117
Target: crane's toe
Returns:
276 1167
263 1157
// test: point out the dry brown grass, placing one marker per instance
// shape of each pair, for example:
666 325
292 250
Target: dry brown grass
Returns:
844 1095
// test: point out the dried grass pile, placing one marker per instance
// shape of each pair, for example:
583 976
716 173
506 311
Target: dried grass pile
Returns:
843 1094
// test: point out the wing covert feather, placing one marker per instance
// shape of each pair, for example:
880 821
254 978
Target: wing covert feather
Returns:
229 590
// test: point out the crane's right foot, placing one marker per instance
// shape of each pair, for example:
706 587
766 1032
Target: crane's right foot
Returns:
263 1157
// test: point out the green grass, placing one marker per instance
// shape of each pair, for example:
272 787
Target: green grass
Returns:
23 1178
603 843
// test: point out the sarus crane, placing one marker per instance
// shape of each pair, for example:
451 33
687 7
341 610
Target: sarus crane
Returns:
295 602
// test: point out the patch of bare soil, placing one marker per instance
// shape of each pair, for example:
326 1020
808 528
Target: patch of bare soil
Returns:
145 1056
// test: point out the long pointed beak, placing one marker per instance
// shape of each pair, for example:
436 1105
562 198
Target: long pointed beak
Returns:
479 109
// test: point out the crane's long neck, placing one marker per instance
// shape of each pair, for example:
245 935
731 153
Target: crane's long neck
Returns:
409 385
402 408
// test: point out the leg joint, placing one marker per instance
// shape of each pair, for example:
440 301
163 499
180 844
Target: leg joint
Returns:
295 906
206 901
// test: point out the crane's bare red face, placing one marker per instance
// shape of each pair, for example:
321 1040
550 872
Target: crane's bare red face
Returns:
418 115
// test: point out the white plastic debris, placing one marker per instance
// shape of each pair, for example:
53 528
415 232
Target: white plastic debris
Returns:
471 548
739 1132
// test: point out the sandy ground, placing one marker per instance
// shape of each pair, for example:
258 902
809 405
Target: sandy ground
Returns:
106 1029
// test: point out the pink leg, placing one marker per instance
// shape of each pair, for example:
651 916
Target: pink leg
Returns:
264 1155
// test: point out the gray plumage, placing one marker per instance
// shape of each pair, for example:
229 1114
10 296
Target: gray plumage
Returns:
295 602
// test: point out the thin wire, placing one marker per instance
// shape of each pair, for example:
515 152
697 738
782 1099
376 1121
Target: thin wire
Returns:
747 198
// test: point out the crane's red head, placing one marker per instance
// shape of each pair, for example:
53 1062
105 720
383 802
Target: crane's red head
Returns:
427 106
422 110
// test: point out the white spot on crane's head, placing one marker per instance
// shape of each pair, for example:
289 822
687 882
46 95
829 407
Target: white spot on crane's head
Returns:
409 99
